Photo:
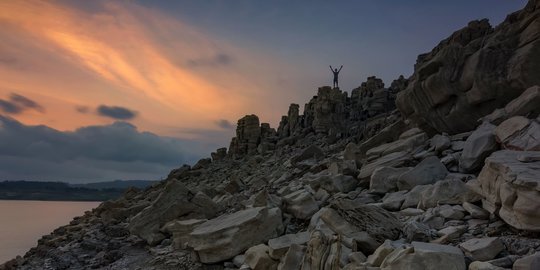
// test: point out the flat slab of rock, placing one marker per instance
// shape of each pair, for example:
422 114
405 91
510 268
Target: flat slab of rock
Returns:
180 230
429 171
450 191
425 256
396 159
279 246
384 179
407 144
482 249
228 235
511 188
475 211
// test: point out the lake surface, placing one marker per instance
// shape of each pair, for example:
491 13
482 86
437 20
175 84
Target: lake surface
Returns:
22 223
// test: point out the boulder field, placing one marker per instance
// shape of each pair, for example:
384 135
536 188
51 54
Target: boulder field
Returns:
438 171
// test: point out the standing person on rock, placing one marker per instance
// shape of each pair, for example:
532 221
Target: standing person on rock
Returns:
336 73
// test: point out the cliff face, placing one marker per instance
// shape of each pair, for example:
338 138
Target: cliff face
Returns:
474 71
351 183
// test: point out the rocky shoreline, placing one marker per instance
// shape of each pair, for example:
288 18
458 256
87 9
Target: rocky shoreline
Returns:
438 171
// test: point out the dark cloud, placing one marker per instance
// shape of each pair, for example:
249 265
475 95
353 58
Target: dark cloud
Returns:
26 102
92 153
116 112
224 124
82 109
9 107
221 59
17 104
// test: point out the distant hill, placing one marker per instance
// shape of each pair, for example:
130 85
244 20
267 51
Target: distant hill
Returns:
60 191
117 184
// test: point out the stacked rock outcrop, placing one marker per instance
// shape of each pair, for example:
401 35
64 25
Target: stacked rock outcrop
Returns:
474 71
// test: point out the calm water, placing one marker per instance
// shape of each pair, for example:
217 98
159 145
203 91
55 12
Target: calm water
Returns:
22 223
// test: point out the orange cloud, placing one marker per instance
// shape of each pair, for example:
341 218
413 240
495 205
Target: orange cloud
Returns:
131 56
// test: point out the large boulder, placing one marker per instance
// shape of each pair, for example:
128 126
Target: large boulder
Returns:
384 179
429 171
228 235
448 191
473 72
174 201
510 186
530 262
519 133
524 105
477 148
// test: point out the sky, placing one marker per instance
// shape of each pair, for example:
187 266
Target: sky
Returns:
103 90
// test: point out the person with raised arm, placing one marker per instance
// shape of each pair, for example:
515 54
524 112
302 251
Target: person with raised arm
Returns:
336 73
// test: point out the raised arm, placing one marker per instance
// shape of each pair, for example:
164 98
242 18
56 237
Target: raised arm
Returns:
331 68
340 68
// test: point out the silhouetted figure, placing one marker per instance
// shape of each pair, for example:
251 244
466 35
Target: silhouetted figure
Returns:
336 73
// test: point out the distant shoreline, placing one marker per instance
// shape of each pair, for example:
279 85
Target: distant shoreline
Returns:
60 191
46 200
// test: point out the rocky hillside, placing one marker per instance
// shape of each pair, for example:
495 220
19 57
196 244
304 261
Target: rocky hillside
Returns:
448 180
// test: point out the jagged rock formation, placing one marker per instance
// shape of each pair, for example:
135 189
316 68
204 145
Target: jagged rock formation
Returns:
473 72
348 184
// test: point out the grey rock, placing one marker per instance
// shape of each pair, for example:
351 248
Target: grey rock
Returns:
458 81
440 142
477 148
396 159
530 262
384 179
381 252
301 204
258 258
511 188
475 211
425 256
477 265
482 249
393 201
407 144
429 171
173 202
279 246
417 231
293 258
450 191
524 138
228 235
